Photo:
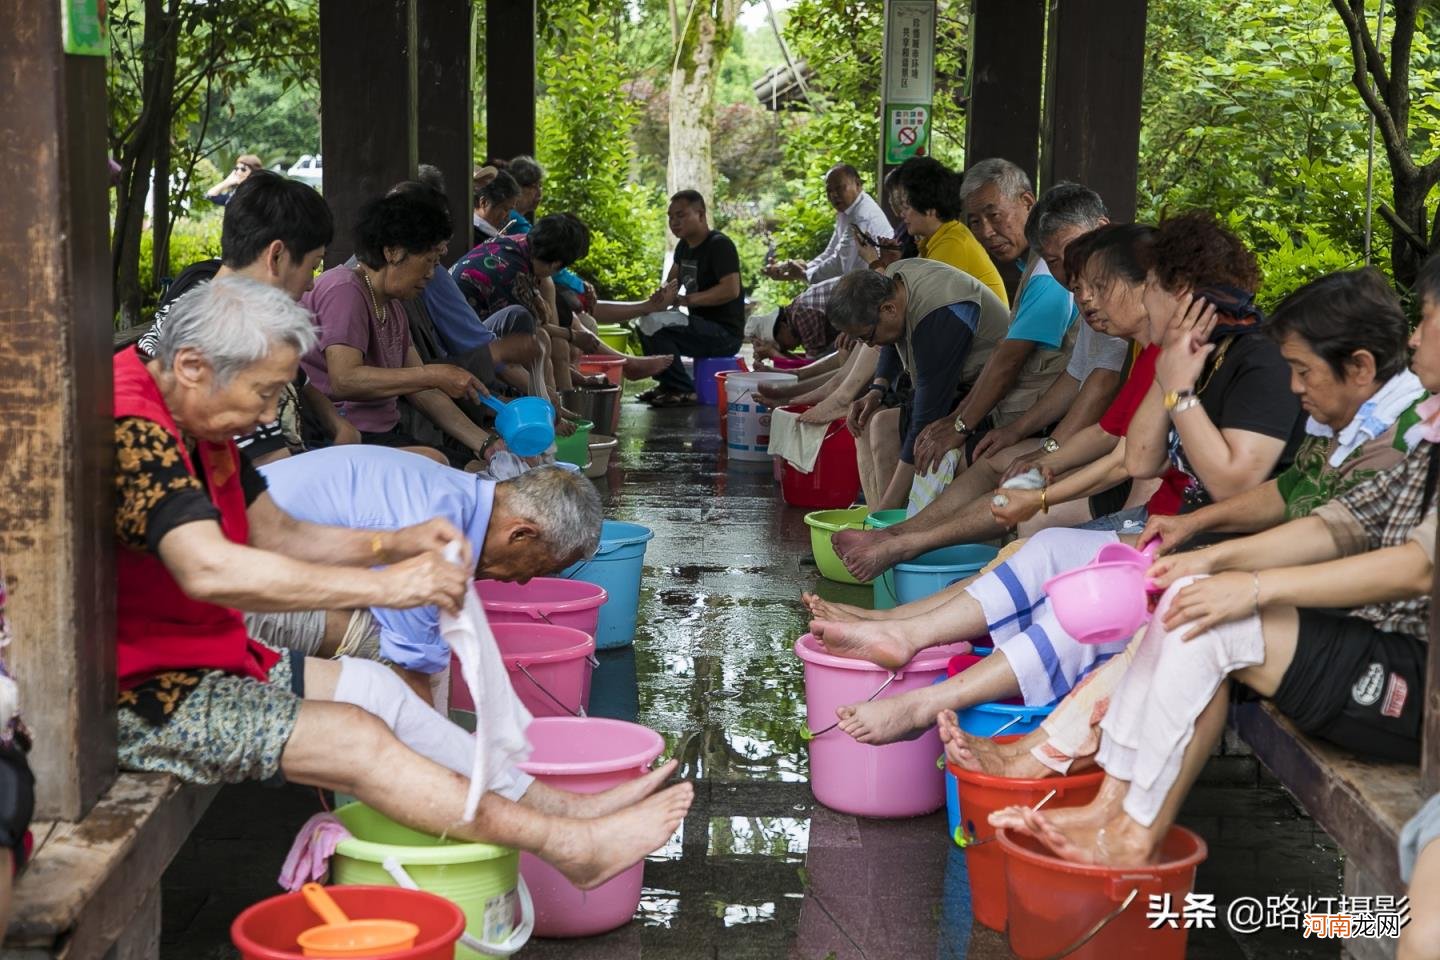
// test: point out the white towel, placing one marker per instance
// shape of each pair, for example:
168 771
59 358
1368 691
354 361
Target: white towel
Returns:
799 443
653 323
500 717
926 487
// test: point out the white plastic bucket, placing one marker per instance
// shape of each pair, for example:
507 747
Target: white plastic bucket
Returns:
747 419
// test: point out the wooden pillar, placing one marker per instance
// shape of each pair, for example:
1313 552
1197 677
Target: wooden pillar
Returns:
367 106
445 118
509 78
1095 66
1005 74
57 435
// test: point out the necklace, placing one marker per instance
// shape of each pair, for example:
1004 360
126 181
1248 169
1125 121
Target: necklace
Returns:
374 303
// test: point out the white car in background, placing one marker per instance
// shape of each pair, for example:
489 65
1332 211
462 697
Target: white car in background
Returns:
307 169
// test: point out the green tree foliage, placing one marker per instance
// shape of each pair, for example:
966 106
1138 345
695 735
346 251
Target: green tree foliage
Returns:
584 126
173 64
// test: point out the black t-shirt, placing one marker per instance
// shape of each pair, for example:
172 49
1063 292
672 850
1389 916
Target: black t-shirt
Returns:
702 267
1249 390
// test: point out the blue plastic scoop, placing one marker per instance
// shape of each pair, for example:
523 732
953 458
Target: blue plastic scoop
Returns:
527 425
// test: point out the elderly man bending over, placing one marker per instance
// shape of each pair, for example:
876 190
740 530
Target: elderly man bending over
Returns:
199 536
529 526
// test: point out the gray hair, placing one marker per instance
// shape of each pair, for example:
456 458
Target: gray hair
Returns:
526 171
1064 205
562 504
234 322
431 176
855 303
1008 177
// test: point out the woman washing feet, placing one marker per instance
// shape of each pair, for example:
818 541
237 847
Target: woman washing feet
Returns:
1339 677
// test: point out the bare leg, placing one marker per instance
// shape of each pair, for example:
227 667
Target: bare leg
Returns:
961 514
429 453
562 803
985 755
882 436
821 609
832 402
894 643
888 720
341 747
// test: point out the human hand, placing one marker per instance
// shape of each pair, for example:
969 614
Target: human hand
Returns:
434 535
936 440
585 341
1172 531
456 382
1206 603
1174 566
868 252
1186 344
996 440
1030 461
1020 506
861 411
564 428
423 580
844 343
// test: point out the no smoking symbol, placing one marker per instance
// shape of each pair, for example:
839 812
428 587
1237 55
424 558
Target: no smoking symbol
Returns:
906 136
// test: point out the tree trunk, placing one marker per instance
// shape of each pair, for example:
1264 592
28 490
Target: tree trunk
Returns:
1409 196
138 155
703 38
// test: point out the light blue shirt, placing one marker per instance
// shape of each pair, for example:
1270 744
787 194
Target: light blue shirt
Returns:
1045 311
380 488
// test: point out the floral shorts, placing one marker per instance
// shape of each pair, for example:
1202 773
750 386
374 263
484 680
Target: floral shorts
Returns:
225 729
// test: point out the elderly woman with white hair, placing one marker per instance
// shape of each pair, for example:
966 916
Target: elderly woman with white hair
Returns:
199 539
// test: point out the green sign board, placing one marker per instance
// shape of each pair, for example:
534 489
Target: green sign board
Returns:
907 131
909 78
83 26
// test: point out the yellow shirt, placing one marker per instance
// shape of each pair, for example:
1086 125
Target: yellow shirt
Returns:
954 244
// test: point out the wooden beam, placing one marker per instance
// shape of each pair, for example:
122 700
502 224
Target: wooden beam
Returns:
1361 804
1006 80
90 880
57 444
445 116
367 106
1095 68
509 78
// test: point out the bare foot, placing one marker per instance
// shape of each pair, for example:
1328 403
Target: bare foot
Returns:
1119 841
882 642
984 755
826 412
867 553
885 721
642 368
630 792
821 609
589 852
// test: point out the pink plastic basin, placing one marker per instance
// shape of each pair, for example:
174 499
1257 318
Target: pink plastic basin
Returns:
1107 599
586 755
551 600
550 668
895 780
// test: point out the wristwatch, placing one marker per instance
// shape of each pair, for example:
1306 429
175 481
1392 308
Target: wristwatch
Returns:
1174 397
1050 445
490 441
960 425
1185 403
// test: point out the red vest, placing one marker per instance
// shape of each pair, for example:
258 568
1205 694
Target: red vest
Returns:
158 627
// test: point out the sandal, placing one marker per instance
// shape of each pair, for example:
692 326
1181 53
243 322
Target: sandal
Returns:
667 399
648 395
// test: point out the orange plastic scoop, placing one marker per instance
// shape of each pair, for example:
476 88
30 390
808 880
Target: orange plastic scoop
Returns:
339 936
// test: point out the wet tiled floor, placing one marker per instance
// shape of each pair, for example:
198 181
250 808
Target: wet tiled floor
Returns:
759 870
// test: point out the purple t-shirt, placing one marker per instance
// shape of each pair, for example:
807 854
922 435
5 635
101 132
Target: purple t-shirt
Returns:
344 316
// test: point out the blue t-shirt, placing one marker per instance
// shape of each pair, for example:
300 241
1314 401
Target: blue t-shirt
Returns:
368 487
1045 311
457 326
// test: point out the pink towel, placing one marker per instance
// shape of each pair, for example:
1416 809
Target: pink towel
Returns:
309 857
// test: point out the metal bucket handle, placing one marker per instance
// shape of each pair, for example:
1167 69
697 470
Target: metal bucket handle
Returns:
511 945
546 690
807 734
1100 925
